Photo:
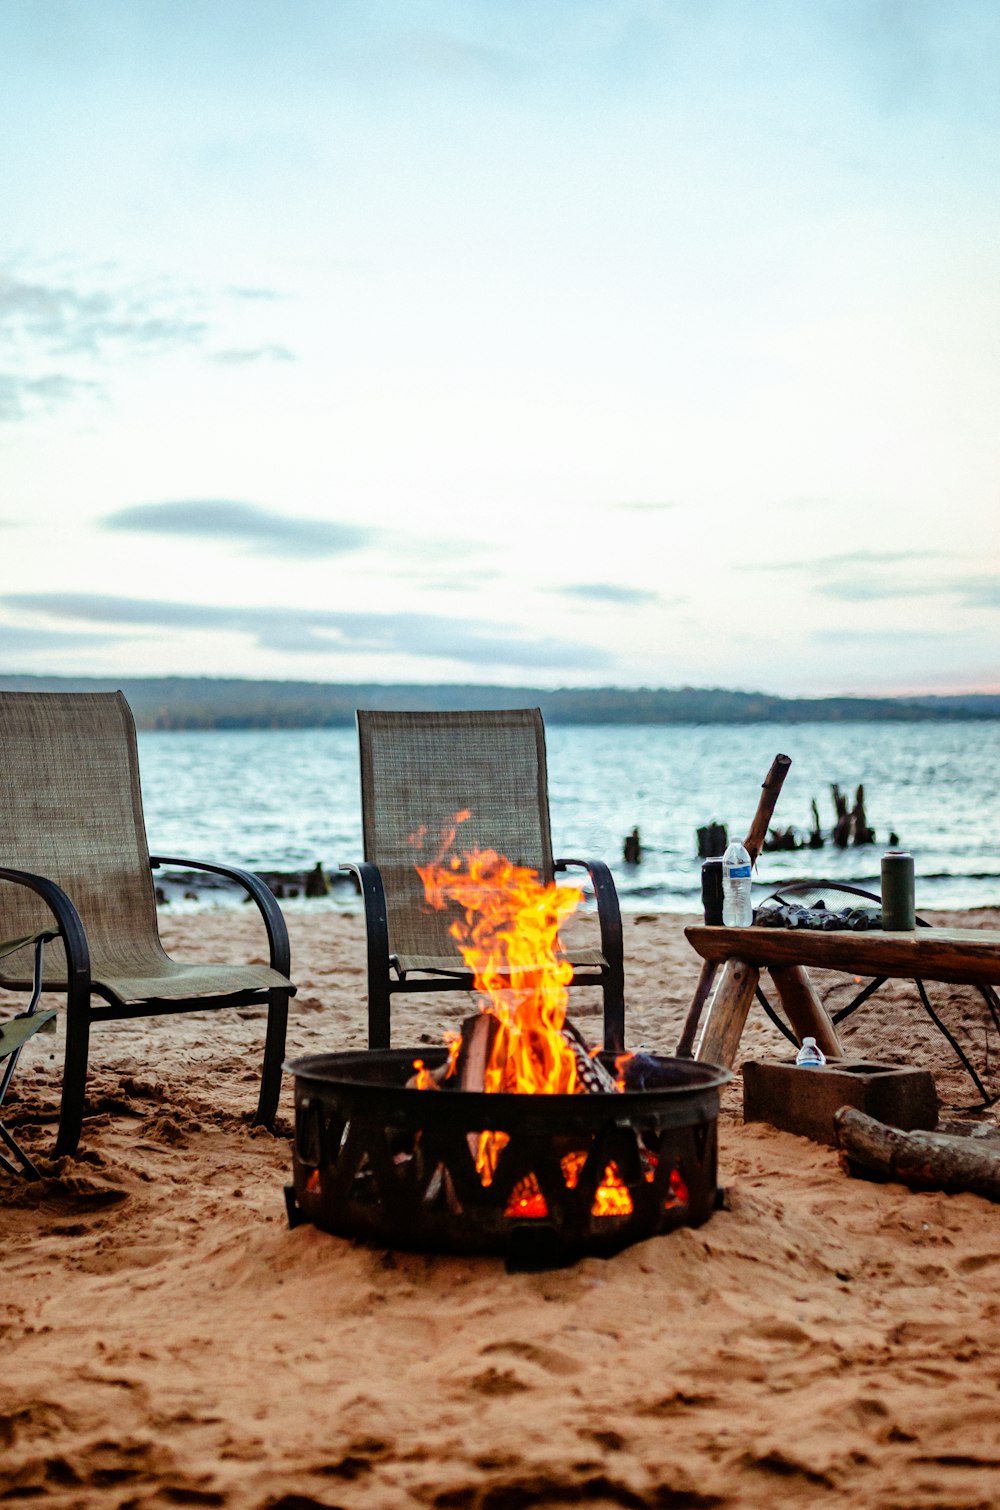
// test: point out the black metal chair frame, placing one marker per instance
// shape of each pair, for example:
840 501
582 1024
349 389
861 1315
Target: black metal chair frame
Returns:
988 994
27 1169
384 981
80 990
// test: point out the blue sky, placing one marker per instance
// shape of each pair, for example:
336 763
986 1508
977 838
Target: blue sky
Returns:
568 343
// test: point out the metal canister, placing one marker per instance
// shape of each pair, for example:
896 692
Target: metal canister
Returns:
898 911
711 891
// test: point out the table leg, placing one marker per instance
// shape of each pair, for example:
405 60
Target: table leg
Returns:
804 1010
727 1013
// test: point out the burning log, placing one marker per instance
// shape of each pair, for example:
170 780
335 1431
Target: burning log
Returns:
921 1160
465 1068
591 1075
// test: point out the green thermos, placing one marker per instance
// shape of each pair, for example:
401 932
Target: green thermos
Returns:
898 914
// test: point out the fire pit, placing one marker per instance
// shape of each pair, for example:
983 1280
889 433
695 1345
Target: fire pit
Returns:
378 1159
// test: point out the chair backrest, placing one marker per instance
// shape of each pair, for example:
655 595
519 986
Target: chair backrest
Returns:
71 810
417 771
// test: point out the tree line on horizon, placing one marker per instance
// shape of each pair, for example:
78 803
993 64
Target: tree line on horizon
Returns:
233 703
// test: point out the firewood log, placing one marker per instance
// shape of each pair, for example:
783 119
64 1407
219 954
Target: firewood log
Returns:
921 1160
478 1033
592 1076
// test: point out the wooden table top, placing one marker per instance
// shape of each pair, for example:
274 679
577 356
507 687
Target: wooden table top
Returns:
963 956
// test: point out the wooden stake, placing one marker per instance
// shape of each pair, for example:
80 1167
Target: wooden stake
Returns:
753 843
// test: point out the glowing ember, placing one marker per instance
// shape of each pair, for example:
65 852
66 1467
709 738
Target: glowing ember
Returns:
612 1198
527 1200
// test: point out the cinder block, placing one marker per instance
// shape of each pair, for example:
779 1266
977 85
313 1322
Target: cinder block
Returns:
803 1101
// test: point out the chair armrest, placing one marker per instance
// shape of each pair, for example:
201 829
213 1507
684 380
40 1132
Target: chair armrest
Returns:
69 928
608 911
274 920
369 878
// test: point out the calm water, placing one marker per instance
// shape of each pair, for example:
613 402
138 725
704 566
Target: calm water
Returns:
281 800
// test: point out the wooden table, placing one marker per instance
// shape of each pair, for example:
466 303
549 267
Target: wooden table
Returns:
963 956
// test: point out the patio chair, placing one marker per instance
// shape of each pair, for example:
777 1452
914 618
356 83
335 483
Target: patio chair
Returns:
14 1034
73 857
421 769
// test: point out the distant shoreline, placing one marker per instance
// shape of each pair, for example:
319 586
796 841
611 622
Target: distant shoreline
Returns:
230 703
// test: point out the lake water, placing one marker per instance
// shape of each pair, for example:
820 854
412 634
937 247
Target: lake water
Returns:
283 799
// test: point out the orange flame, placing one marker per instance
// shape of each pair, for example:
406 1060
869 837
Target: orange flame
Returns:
508 936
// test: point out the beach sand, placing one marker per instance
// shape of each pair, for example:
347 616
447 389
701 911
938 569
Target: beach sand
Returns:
166 1340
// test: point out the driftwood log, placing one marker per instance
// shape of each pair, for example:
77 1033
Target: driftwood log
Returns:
920 1160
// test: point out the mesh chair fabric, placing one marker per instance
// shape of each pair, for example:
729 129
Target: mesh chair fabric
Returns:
71 810
417 771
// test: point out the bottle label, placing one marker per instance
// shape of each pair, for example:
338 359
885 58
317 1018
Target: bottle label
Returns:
738 872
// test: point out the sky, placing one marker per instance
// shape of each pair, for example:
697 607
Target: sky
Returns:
550 342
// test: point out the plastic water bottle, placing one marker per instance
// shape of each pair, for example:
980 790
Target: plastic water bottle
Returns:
810 1055
737 908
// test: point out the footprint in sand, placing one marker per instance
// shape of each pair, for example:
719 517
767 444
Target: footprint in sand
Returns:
548 1358
973 1262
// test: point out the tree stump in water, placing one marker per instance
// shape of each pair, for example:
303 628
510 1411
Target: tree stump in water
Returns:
842 828
860 832
712 840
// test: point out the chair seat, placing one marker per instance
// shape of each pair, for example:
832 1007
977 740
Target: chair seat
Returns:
426 964
165 979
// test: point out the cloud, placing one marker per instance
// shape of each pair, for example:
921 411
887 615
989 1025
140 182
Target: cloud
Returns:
259 530
608 592
267 295
18 395
979 592
635 507
305 631
240 356
49 323
70 322
438 55
867 576
15 639
848 559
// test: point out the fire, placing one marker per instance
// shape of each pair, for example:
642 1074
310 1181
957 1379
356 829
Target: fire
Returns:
508 936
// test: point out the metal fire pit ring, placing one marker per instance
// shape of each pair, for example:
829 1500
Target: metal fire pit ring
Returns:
376 1161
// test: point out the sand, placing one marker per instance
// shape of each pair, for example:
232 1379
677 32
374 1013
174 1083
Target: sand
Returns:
166 1340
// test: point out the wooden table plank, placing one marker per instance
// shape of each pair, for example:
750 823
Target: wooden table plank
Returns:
962 956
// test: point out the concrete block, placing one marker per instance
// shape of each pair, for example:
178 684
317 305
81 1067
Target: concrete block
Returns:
804 1100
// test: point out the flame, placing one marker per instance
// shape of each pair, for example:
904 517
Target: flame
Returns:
612 1197
424 1079
508 936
